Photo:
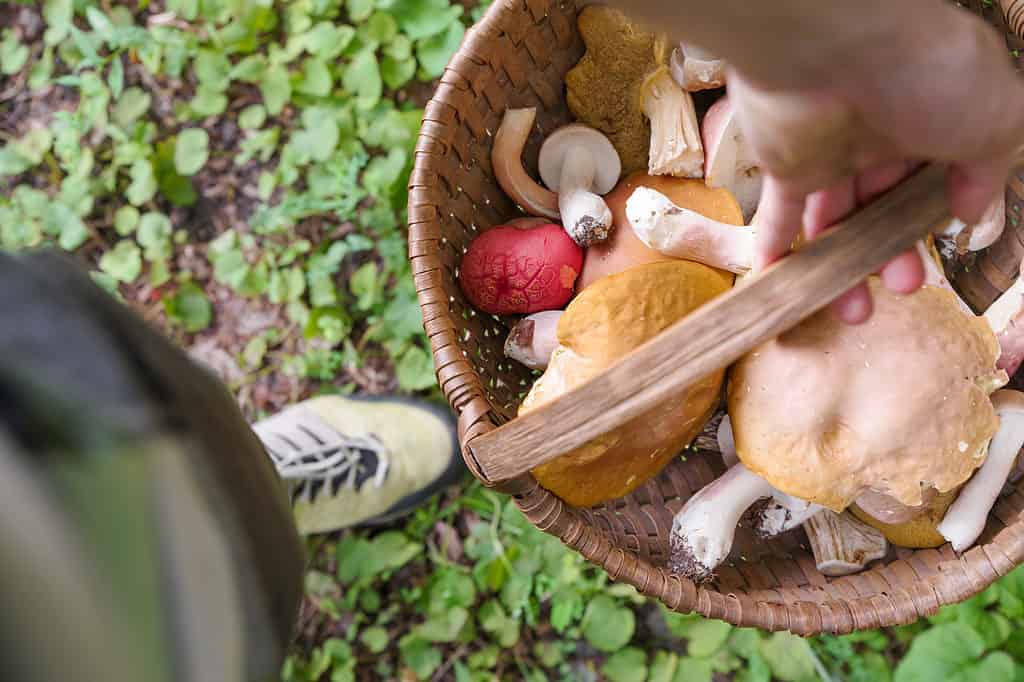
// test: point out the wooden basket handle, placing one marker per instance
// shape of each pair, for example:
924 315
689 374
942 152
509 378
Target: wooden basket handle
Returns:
720 332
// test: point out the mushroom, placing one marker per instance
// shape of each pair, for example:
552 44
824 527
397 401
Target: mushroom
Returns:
579 163
676 231
533 339
729 160
703 531
507 161
622 86
676 147
1006 317
966 517
694 68
828 411
959 238
623 249
843 545
601 325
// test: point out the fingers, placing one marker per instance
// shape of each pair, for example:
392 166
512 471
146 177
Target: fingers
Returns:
779 216
971 187
904 274
853 307
829 206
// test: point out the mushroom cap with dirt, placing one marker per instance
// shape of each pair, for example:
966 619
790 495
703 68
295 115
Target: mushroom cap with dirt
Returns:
897 405
603 323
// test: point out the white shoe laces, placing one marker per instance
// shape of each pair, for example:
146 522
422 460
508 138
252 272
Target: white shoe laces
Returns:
304 449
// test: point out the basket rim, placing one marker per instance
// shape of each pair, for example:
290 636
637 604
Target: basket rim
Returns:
884 596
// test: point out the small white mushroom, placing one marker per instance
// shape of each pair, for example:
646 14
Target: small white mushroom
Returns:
694 68
703 530
959 238
1006 317
533 339
507 161
965 518
841 544
580 164
681 233
729 160
676 147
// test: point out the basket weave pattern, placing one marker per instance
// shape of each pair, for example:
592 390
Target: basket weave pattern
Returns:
517 57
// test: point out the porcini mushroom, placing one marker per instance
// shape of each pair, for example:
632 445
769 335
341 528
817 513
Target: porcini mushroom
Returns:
601 325
966 517
728 159
622 86
507 161
828 411
695 68
533 339
623 249
580 164
1006 317
675 231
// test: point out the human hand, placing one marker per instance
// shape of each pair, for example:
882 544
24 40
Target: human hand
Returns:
942 90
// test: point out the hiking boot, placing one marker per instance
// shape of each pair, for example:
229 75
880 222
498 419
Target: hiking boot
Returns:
354 461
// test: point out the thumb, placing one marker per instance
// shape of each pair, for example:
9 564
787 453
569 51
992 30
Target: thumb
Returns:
778 221
972 186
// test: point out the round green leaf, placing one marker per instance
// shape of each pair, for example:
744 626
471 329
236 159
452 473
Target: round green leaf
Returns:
126 219
627 665
189 307
191 151
252 117
123 262
606 625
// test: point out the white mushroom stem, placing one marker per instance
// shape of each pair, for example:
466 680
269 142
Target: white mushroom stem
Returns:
694 68
676 147
703 530
965 518
533 339
682 233
507 161
982 234
1006 317
581 164
584 214
728 160
842 544
781 512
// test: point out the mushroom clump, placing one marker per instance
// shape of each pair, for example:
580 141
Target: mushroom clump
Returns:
604 322
623 87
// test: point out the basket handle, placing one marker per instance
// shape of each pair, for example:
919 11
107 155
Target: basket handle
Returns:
720 332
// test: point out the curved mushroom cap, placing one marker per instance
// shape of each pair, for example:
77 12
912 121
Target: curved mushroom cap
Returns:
919 532
896 404
623 249
602 324
576 137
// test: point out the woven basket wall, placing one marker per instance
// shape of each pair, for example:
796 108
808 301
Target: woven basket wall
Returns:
517 57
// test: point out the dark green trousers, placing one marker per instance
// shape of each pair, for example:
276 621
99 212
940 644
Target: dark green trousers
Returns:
144 535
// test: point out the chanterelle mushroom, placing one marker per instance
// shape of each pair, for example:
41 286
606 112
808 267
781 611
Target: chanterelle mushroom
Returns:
623 87
580 164
604 322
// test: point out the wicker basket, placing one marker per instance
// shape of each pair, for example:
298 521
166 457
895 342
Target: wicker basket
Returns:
516 57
